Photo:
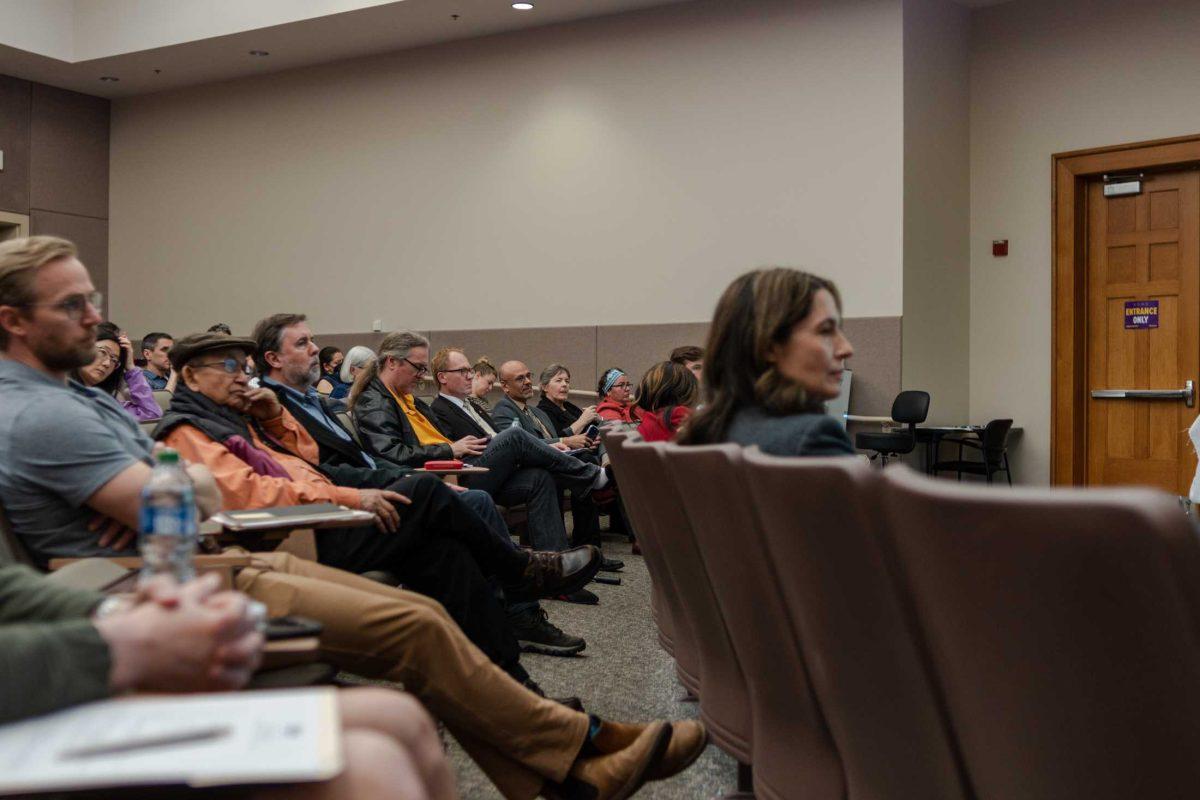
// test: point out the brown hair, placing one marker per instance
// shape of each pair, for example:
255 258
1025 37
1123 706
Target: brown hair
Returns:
441 360
550 372
758 310
667 384
395 345
268 336
485 367
20 259
688 352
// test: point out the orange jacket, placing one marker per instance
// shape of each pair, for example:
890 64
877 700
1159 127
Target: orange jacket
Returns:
242 487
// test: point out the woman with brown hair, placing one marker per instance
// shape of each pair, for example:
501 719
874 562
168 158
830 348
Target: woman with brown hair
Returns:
667 396
615 392
775 355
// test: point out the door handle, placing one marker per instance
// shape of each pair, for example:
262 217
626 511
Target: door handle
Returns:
1187 394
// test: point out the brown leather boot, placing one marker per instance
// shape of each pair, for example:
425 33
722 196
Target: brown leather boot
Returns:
616 775
688 740
551 574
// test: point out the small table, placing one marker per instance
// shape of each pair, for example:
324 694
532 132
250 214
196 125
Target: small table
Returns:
931 436
451 475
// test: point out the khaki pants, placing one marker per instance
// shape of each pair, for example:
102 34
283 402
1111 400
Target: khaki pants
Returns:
519 739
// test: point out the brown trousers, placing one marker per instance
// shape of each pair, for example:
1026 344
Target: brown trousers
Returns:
519 739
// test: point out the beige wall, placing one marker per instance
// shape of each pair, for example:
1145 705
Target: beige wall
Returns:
937 177
1047 78
619 170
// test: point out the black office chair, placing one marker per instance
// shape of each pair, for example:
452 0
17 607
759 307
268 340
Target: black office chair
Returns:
992 445
910 407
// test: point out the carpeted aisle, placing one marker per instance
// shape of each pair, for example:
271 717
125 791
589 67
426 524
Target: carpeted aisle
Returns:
623 674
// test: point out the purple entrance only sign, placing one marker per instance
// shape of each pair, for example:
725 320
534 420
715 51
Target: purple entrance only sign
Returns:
1141 314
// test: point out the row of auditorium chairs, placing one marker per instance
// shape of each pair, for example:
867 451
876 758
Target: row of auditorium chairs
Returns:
852 633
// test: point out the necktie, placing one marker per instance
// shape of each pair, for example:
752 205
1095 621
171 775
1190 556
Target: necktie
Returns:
469 407
536 421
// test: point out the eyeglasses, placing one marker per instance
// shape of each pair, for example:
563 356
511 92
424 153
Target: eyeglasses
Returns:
461 370
623 385
74 306
420 368
105 356
231 366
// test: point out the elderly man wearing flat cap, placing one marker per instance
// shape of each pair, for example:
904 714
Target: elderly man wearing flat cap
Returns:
423 534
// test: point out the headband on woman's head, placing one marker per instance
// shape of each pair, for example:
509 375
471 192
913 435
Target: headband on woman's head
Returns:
610 378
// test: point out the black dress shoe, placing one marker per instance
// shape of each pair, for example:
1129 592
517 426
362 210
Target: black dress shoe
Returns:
611 564
536 634
552 574
583 597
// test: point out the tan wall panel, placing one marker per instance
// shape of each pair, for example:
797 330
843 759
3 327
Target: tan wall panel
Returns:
89 235
69 152
547 177
574 346
14 141
876 364
635 348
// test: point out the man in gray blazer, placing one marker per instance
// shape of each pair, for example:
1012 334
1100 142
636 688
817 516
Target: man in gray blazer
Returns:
516 381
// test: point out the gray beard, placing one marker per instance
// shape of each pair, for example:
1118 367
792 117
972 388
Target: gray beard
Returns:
304 380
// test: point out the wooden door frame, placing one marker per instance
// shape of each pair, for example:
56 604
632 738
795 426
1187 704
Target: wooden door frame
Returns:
1068 383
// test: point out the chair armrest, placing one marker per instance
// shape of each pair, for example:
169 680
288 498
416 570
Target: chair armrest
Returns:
289 652
223 564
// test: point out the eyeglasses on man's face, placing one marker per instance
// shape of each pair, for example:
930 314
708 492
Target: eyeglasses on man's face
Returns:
468 371
231 366
420 369
74 306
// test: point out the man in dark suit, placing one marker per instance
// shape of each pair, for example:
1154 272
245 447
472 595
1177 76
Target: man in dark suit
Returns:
287 355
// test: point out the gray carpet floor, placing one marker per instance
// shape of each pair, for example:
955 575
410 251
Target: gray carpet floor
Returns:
624 674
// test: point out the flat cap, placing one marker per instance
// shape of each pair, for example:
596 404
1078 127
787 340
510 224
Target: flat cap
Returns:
187 348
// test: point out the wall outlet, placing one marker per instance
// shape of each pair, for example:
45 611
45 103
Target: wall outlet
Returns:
377 325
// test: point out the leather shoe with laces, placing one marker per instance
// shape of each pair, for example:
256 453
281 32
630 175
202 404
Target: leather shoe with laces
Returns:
552 574
537 634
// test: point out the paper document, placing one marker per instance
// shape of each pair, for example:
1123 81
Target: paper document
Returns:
199 740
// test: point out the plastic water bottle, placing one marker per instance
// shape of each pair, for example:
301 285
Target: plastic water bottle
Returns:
169 531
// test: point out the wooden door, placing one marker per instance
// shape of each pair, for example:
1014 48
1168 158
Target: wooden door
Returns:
1143 330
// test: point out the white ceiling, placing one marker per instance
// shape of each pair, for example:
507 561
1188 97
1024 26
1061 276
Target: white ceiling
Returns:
72 43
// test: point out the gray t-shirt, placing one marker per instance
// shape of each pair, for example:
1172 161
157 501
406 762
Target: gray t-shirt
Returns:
58 445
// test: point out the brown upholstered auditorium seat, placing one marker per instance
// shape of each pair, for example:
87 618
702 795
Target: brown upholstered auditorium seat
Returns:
819 520
661 606
724 701
1063 627
793 754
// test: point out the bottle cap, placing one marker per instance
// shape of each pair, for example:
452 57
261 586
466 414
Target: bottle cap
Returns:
168 456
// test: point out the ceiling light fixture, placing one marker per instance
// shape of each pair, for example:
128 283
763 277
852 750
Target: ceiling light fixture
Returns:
109 79
259 53
523 6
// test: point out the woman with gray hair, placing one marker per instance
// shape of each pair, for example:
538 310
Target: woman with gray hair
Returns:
355 360
569 419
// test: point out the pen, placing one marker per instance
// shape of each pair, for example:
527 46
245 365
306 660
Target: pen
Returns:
147 742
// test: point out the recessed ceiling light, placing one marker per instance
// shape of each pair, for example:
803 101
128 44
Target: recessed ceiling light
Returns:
259 53
109 79
523 6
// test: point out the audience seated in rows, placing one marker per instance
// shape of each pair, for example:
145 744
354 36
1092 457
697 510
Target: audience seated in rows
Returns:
260 456
568 418
113 372
60 647
157 369
457 417
775 355
667 396
395 426
689 356
483 382
287 352
331 384
615 391
72 467
355 362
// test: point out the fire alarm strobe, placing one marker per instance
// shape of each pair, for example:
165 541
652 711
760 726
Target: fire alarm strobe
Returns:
999 247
